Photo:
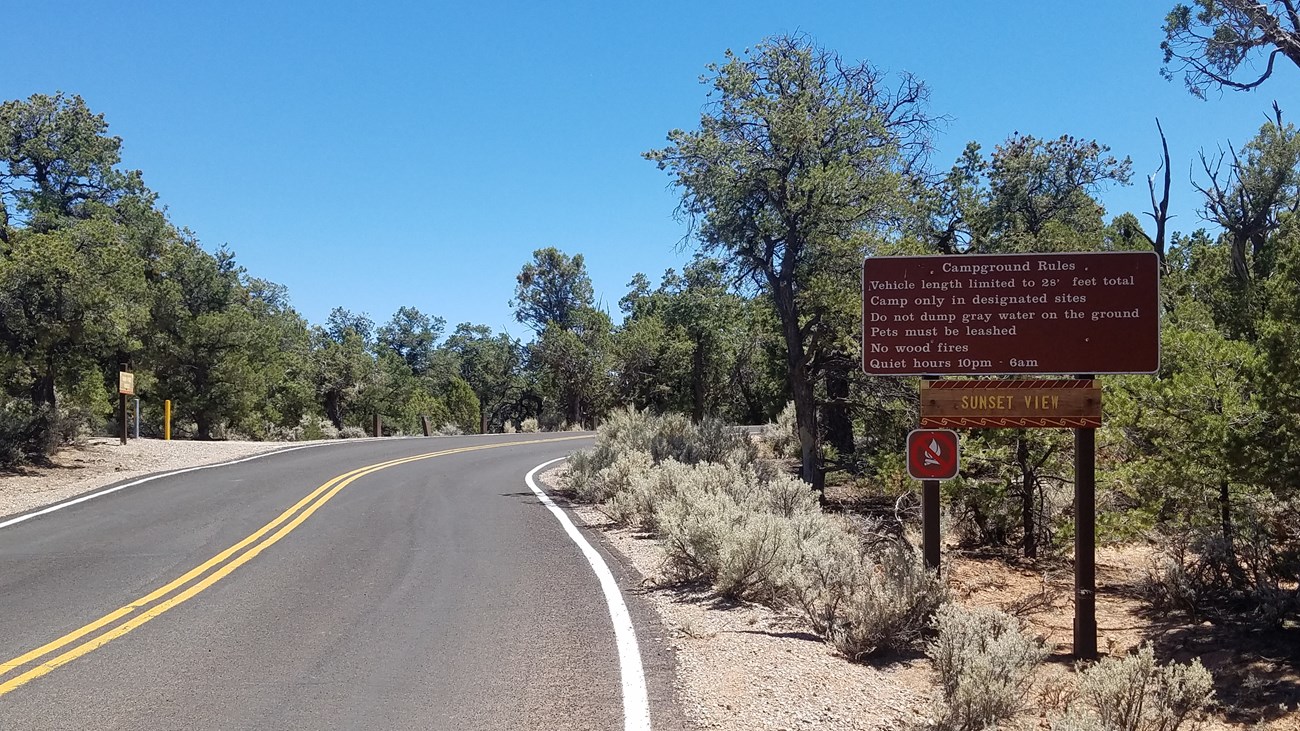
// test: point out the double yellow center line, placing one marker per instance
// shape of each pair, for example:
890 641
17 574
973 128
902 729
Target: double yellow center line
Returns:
146 608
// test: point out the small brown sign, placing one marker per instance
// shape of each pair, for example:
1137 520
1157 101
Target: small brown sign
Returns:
1019 404
126 383
1011 314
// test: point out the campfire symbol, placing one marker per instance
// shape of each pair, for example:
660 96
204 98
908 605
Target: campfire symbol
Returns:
932 453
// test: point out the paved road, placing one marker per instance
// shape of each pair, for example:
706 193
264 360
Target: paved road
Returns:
429 594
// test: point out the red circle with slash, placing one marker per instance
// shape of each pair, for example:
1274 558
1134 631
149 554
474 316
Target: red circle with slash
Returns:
933 454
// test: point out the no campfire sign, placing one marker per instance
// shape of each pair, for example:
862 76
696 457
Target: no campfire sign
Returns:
933 454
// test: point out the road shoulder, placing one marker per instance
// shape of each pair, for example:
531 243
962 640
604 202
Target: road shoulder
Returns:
656 642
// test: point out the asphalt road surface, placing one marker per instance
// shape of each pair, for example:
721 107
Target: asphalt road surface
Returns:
299 591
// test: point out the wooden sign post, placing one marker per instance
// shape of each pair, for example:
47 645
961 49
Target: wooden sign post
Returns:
1016 314
125 387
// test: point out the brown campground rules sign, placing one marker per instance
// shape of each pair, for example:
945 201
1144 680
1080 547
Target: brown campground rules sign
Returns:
1011 314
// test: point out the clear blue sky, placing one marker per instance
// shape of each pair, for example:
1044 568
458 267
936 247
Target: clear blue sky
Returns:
379 154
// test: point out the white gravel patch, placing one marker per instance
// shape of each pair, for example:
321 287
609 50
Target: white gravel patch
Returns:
101 462
749 668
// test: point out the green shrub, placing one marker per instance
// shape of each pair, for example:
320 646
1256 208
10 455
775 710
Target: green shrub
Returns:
758 558
753 532
719 525
352 432
674 436
1254 578
1135 693
694 522
889 606
670 437
529 426
28 434
985 664
832 563
17 425
782 436
311 428
614 479
865 600
640 503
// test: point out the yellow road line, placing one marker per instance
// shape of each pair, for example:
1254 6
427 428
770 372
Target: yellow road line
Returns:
307 507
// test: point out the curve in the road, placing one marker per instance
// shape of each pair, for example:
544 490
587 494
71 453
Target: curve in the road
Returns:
173 594
636 702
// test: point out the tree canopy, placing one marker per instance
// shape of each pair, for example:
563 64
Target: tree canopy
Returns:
799 160
1216 44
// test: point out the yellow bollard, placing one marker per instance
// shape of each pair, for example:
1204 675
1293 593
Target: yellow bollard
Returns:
167 420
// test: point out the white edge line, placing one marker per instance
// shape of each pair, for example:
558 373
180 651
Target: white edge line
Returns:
100 493
636 704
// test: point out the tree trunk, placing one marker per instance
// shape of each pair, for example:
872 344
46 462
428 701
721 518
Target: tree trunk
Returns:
1027 497
44 408
697 382
753 409
334 409
1235 571
42 392
801 387
574 416
835 414
203 427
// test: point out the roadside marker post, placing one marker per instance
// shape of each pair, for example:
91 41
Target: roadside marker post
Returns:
1015 315
167 420
125 387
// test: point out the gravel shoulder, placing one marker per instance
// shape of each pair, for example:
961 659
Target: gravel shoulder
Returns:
103 461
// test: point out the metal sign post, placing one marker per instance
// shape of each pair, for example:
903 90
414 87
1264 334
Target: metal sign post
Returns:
932 455
1085 542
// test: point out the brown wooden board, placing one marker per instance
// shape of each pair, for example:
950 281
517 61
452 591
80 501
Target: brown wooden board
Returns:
1011 314
1019 404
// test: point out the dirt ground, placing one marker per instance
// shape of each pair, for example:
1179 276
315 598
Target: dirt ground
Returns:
1256 673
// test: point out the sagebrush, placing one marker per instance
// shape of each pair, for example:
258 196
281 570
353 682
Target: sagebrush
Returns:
985 663
1136 693
753 532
